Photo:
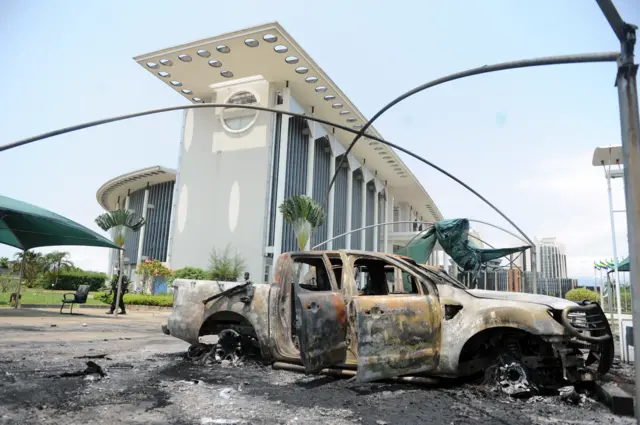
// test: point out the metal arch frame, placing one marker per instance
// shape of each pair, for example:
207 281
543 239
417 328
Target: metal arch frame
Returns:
428 223
526 63
481 222
500 228
553 60
272 110
260 108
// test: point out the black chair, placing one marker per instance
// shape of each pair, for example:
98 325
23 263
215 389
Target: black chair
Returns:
80 297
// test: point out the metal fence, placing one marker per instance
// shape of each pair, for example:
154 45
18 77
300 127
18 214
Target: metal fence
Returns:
515 280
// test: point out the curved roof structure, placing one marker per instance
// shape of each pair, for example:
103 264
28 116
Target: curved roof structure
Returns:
193 69
120 186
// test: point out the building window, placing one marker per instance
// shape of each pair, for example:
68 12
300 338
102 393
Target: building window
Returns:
237 120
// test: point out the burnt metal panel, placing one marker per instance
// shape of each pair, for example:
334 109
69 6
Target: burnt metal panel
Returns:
356 209
323 328
396 335
371 198
273 207
340 205
321 179
296 174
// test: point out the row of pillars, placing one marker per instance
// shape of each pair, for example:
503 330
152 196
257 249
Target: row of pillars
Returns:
280 190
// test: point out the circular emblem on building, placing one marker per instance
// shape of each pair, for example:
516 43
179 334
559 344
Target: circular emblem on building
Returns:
237 120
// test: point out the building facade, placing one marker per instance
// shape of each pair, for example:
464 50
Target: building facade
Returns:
236 166
147 193
552 258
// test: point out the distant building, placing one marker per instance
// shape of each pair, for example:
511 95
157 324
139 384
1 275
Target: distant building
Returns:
552 258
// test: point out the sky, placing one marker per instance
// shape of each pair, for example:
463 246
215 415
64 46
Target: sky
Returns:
522 138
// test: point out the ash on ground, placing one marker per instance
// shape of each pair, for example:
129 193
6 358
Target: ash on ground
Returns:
148 379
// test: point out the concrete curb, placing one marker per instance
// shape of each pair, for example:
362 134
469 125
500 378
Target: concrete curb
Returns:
94 306
619 401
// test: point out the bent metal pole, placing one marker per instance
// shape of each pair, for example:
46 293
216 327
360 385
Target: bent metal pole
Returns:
627 85
554 60
259 108
551 60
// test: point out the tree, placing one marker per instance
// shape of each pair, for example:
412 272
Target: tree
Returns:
121 222
34 265
4 263
305 216
56 261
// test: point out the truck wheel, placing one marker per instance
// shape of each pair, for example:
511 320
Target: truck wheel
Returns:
512 377
229 346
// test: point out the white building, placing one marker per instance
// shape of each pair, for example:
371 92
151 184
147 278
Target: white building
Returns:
236 166
148 193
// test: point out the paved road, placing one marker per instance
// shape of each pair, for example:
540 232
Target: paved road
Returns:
148 381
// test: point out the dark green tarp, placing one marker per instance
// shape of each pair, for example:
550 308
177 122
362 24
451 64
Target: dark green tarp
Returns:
26 226
453 236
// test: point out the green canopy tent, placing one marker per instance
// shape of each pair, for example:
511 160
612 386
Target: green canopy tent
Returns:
453 236
623 266
26 226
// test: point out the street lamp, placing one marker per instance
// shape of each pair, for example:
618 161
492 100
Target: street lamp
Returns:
606 157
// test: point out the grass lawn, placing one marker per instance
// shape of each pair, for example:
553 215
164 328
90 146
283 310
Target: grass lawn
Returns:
40 296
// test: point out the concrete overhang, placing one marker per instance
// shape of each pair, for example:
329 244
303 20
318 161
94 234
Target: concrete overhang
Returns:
192 69
120 186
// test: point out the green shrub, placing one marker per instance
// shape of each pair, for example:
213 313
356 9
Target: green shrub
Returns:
70 281
8 283
580 294
192 273
102 296
225 267
164 300
143 299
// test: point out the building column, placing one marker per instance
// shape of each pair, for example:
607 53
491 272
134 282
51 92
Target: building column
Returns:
145 204
363 236
311 155
282 176
331 201
126 208
176 189
347 242
388 212
376 220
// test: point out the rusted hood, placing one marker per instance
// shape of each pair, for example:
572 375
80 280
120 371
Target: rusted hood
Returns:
553 302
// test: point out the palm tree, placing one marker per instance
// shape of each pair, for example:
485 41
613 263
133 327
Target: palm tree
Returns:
56 261
305 216
120 222
34 264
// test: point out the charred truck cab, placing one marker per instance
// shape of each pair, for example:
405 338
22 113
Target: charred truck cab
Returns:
386 316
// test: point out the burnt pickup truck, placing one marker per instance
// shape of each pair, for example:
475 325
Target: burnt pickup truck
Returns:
385 316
